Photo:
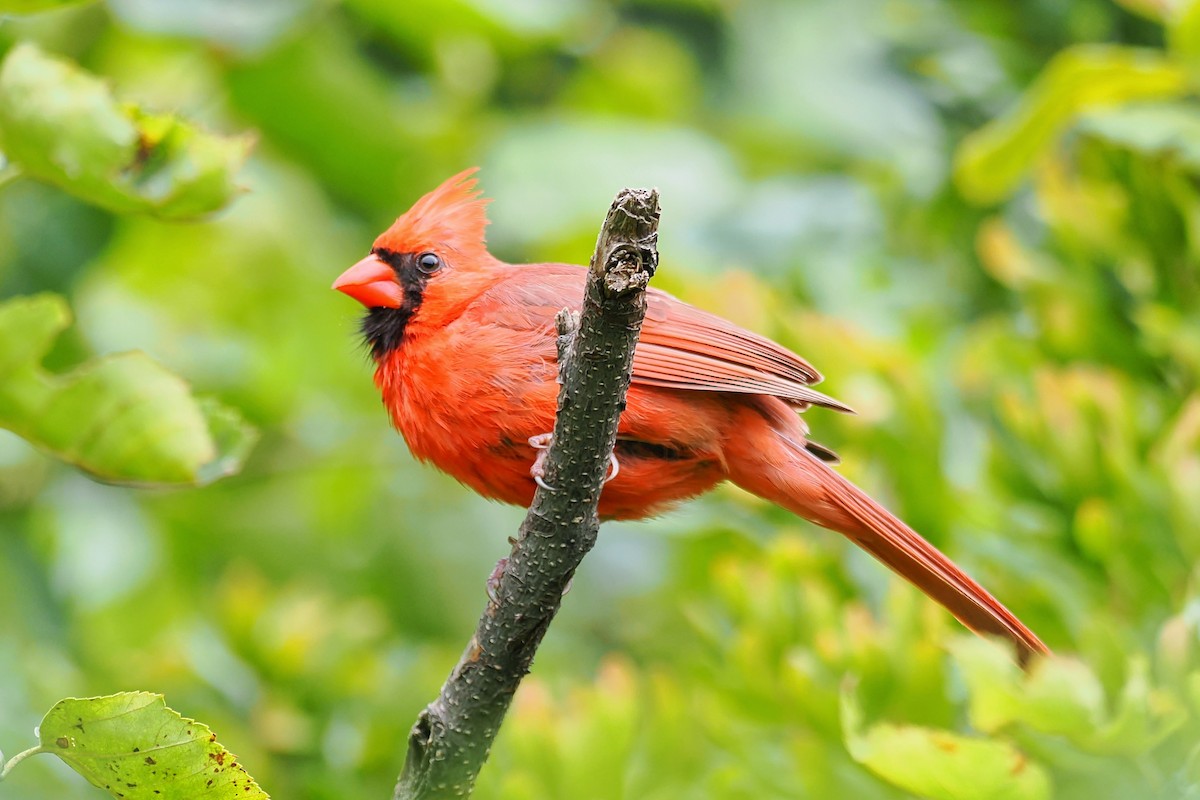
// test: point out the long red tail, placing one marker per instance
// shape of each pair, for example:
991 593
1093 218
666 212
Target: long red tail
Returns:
783 472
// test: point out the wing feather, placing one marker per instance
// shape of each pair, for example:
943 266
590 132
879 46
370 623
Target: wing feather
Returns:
681 346
678 368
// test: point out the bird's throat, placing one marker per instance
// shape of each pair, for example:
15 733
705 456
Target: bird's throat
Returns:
383 328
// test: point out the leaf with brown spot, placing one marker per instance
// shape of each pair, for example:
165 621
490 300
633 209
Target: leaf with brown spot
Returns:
121 729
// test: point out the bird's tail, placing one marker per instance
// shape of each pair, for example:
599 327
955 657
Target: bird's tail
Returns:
788 475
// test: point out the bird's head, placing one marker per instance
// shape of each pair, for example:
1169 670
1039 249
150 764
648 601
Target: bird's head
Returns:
441 234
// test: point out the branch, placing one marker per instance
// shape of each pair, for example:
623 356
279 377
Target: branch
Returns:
452 736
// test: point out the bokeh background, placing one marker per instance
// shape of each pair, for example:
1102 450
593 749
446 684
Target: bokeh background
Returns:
980 219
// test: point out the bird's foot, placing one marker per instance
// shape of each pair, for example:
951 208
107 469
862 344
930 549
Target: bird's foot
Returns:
493 581
541 443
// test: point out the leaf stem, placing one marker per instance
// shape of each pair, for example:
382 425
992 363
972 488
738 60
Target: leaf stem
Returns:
17 759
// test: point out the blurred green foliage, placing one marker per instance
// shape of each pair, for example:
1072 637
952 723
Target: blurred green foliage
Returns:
980 219
122 418
62 125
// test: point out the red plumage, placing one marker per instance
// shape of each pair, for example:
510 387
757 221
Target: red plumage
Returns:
466 365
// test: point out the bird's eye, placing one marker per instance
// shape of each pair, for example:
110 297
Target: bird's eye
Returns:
428 263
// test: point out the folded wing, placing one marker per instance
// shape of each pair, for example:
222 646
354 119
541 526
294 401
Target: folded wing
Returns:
681 347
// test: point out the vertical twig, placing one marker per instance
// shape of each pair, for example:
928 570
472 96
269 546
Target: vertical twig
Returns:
452 736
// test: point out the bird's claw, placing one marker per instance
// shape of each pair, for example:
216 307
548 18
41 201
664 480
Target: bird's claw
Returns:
615 467
540 443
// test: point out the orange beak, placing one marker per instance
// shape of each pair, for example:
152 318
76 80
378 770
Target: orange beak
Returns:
372 283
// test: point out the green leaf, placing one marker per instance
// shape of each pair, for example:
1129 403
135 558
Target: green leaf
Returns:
939 764
136 748
32 6
62 125
1064 697
993 160
1059 695
1156 129
123 418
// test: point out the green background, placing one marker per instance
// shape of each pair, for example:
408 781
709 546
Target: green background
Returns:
979 218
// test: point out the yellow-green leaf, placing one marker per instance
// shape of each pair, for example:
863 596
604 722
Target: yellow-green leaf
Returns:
63 125
1170 130
134 747
1183 34
122 418
993 160
940 764
1064 697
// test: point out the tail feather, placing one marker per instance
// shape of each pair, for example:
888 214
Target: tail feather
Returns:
800 482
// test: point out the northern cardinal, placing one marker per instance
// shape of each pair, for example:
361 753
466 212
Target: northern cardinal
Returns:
465 351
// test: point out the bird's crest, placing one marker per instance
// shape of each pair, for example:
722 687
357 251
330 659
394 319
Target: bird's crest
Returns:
450 220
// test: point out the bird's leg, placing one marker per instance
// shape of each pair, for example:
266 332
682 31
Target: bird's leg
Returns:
541 443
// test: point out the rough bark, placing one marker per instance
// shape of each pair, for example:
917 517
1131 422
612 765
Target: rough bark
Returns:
452 736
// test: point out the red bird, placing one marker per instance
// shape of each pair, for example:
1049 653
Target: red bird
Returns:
465 351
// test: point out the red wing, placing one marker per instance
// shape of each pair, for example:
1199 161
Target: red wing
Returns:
686 348
681 347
